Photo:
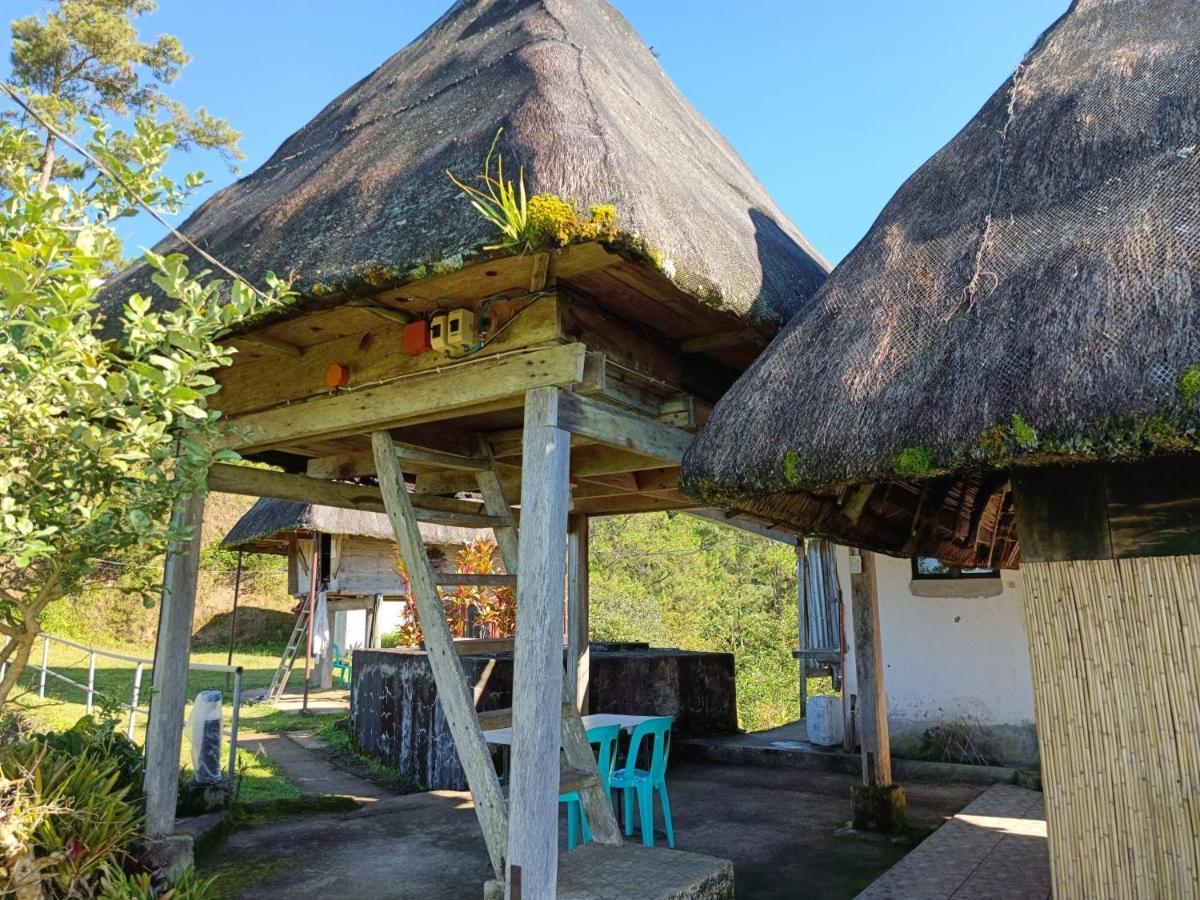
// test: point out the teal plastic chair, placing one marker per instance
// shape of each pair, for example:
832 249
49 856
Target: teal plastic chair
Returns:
341 666
604 738
644 782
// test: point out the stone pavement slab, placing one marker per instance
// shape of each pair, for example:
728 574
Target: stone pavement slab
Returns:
311 772
993 849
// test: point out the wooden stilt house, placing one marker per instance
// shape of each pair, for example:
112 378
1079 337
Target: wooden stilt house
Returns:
1005 372
366 596
559 377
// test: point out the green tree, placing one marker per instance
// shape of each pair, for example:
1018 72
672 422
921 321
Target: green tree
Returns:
99 436
676 580
86 59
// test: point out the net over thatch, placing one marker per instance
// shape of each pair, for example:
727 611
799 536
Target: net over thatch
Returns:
360 194
1030 293
270 519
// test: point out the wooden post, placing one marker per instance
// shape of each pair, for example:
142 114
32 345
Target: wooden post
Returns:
314 578
453 692
172 649
802 622
579 657
878 805
537 664
373 624
325 666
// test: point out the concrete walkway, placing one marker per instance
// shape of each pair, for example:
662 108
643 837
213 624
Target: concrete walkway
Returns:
779 826
994 849
300 760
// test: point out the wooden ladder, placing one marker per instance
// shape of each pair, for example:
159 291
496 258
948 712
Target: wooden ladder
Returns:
288 661
578 771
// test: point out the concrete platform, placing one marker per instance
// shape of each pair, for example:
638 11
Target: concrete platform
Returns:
320 703
779 826
994 849
592 872
788 747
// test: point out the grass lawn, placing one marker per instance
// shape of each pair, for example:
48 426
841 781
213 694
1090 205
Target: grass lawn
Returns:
64 704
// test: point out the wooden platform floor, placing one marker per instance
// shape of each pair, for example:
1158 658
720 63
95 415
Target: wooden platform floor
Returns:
994 849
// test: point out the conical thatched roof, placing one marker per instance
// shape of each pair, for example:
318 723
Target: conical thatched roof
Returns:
270 518
360 196
1030 293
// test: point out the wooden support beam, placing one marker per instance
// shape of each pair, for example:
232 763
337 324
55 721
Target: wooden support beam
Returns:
878 805
868 664
629 503
454 694
458 388
579 657
172 651
720 341
272 345
537 664
615 427
802 623
230 479
732 520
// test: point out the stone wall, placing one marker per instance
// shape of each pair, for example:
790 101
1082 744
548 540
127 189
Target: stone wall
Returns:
396 718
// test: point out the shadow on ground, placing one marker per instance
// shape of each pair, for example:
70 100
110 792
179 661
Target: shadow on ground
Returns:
778 826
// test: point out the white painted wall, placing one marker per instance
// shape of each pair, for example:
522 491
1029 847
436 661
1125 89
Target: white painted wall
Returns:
958 656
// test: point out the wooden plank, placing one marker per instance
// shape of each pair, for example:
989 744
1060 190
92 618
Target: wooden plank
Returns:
606 424
454 694
1153 508
869 666
272 345
1061 513
721 340
743 524
423 397
630 503
537 665
465 579
579 656
373 354
172 650
230 479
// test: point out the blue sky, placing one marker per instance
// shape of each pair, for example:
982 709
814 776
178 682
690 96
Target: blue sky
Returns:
831 104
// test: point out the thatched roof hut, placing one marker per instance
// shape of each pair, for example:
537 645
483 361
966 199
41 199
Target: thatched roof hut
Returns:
1028 296
358 200
271 526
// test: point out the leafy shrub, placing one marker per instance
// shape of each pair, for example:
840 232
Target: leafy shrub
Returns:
69 808
117 884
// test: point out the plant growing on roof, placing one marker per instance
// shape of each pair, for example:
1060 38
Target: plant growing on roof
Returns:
534 223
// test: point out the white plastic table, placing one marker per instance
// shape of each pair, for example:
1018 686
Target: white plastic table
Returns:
503 736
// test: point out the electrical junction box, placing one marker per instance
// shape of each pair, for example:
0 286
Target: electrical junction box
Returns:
437 332
460 328
415 338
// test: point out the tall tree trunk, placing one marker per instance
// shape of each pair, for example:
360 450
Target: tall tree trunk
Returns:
47 167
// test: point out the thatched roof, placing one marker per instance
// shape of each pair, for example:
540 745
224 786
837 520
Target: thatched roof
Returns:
1029 294
359 196
281 519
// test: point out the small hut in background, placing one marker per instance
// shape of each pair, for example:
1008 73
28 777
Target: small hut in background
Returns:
1004 372
366 595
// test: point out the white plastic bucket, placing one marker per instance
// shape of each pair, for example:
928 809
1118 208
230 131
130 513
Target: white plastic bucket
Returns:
823 717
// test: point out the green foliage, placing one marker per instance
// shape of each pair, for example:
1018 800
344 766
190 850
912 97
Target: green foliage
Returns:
791 467
101 437
1023 433
536 223
1188 388
102 738
679 581
912 461
86 59
83 818
117 884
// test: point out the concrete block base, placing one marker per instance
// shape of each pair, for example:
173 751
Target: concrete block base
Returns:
204 798
879 809
599 872
168 858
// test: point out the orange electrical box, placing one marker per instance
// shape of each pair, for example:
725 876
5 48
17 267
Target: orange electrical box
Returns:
416 338
337 375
